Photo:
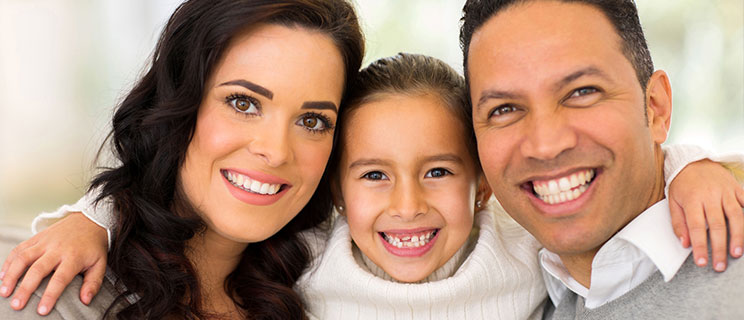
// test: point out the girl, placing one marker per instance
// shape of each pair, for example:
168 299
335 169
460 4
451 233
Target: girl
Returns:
222 145
416 236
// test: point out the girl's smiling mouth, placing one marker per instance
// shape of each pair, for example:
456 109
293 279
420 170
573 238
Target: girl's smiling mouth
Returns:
409 243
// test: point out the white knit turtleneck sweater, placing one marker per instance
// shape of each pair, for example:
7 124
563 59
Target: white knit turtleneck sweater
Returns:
494 276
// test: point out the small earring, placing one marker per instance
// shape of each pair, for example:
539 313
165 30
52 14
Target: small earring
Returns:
479 204
340 208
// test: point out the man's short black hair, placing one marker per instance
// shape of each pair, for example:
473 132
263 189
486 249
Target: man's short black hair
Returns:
622 14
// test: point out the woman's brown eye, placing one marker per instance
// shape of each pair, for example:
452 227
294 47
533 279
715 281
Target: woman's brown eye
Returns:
242 105
310 122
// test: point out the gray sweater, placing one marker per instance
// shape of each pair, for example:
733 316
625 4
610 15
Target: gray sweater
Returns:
693 293
68 306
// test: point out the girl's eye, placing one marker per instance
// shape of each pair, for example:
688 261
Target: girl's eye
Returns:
243 104
315 122
503 109
374 175
437 173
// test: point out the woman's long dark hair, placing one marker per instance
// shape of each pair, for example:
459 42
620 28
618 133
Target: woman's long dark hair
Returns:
152 128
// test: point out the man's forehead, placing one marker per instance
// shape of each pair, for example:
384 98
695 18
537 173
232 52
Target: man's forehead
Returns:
564 36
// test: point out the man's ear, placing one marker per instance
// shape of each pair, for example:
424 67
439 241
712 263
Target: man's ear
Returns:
659 105
483 193
337 197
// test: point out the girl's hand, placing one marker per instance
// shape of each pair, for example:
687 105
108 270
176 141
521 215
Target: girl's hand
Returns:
706 192
71 246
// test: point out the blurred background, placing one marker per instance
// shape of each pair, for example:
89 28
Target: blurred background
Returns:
64 65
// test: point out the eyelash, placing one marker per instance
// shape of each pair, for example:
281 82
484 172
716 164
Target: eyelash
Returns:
445 173
327 123
232 99
366 176
498 109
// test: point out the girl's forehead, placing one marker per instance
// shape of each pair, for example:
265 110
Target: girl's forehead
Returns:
399 125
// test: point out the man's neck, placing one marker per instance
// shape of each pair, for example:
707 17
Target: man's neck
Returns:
579 266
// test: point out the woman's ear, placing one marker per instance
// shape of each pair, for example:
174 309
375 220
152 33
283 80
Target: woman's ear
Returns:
482 194
337 197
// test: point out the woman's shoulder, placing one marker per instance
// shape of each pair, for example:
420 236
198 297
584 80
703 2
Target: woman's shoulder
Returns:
68 306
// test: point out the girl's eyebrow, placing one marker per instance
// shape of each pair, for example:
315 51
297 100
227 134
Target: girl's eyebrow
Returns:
449 157
368 162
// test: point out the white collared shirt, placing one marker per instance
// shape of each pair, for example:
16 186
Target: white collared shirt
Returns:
646 244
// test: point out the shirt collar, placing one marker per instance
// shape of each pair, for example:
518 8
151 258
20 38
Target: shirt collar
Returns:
649 234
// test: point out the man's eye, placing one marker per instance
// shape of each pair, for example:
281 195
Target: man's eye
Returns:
503 109
583 91
437 173
374 175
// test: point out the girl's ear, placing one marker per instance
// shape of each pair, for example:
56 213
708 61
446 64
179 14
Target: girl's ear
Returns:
337 197
482 194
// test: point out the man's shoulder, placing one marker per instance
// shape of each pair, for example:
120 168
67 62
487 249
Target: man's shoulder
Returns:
68 305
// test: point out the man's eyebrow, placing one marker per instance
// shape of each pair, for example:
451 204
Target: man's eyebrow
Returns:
368 162
322 105
588 71
496 94
250 86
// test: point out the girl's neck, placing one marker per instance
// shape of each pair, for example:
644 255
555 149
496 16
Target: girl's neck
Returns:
214 257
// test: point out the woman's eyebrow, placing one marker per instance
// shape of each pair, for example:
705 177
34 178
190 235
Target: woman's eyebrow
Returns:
323 105
250 86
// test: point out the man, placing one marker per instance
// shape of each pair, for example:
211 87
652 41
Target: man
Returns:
569 116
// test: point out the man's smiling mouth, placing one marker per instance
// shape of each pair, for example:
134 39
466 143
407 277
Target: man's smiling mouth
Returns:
563 189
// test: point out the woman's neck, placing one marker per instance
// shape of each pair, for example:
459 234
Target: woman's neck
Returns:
214 257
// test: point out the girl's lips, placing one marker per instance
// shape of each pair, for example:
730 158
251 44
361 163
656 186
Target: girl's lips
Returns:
405 247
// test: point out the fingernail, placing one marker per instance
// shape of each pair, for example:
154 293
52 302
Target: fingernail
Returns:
737 252
701 261
720 266
682 241
43 310
3 290
16 303
88 297
2 275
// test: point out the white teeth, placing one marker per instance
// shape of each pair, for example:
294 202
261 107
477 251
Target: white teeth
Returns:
564 184
563 189
553 187
256 186
250 185
409 241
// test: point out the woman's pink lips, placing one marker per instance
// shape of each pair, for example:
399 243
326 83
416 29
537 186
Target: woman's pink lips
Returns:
409 252
255 198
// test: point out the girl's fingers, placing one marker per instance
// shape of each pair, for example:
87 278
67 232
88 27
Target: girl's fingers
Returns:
38 271
57 284
12 256
20 262
698 234
678 223
92 281
735 216
718 234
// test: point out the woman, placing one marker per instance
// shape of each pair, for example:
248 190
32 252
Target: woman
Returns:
223 144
